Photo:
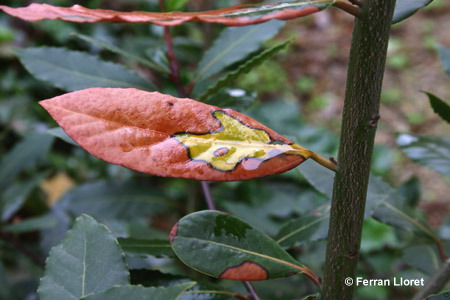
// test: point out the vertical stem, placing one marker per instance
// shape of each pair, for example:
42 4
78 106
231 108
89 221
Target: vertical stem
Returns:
251 290
361 108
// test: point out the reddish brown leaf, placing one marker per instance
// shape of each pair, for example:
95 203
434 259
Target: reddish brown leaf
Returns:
237 15
167 136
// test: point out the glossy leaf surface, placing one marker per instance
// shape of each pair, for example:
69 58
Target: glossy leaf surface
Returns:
89 260
237 15
167 136
74 70
223 246
158 248
137 292
440 107
433 152
406 8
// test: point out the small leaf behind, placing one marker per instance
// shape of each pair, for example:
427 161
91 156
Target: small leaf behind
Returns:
440 107
223 246
74 70
158 248
233 45
125 54
441 296
24 155
304 229
433 152
88 261
406 8
444 55
246 67
113 200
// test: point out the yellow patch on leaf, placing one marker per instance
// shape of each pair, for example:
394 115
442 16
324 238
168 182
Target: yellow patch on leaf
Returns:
233 143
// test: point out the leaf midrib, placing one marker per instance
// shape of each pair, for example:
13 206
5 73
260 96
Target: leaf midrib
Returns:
298 267
85 75
301 228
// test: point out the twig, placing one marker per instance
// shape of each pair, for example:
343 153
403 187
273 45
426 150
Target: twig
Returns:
22 248
208 197
437 283
173 63
251 290
348 7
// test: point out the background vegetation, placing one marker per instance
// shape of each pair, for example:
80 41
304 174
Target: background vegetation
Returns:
45 182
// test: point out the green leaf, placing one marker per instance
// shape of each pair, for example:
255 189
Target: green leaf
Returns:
172 5
233 45
32 224
24 155
433 152
392 210
312 227
125 54
444 55
244 68
88 261
440 107
406 8
59 133
74 70
158 248
423 257
221 245
15 195
114 200
383 202
319 177
137 292
376 236
441 296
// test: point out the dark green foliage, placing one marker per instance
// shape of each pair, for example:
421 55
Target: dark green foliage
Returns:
88 261
213 243
291 209
440 107
73 70
406 8
433 152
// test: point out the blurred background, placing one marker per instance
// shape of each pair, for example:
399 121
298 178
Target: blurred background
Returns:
46 182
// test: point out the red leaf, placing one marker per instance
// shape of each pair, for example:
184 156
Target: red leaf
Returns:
237 15
167 136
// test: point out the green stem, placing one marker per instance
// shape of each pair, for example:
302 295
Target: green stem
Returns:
360 113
